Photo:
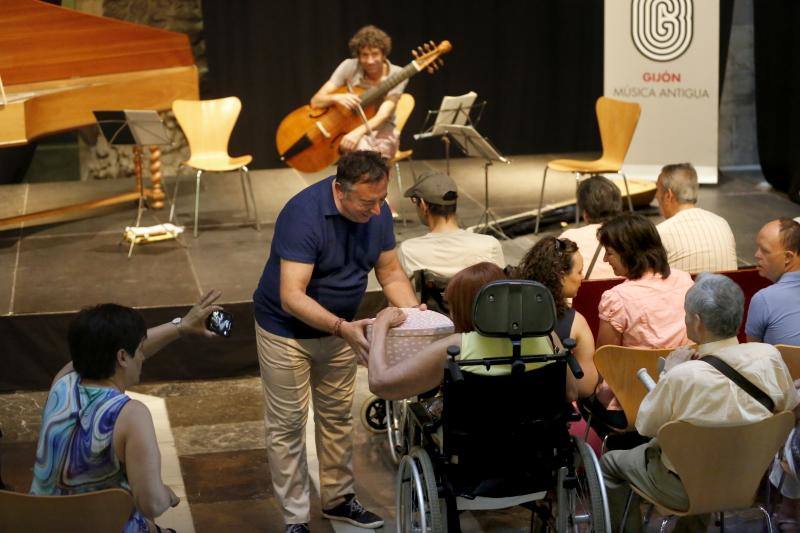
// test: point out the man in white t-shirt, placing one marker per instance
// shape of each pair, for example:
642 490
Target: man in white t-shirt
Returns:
696 240
447 249
367 68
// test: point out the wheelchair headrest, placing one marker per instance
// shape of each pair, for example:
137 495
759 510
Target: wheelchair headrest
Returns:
514 308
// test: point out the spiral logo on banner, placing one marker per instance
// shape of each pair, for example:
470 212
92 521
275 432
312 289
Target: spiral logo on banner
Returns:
661 29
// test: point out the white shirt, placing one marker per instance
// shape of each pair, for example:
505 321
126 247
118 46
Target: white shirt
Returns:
586 239
698 393
447 253
697 240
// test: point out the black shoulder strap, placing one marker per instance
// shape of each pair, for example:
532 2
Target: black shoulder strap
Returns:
759 395
594 260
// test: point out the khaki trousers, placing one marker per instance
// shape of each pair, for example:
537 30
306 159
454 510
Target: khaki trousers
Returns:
290 369
642 466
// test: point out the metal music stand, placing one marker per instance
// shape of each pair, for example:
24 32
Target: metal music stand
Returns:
473 144
454 110
135 128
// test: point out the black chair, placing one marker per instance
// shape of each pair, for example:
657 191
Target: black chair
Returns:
430 289
504 438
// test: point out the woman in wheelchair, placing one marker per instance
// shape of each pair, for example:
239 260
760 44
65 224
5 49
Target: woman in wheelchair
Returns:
503 438
424 371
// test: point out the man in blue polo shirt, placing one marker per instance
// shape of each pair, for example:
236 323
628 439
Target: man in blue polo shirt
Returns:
327 239
774 314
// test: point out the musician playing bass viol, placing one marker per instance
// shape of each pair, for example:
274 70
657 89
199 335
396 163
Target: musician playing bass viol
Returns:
369 66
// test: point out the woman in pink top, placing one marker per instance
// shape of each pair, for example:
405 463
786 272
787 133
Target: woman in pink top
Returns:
646 310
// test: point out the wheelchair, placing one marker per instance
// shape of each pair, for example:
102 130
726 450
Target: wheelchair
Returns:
503 439
387 416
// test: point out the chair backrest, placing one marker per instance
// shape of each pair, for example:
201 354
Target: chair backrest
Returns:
403 109
104 510
588 297
618 366
504 429
501 432
430 288
721 467
207 124
791 356
617 121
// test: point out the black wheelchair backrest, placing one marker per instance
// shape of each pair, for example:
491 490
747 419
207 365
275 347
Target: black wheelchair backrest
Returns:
514 308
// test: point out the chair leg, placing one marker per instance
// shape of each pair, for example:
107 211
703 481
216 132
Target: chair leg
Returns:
627 191
246 172
197 200
768 518
577 206
244 193
541 202
174 195
399 188
625 513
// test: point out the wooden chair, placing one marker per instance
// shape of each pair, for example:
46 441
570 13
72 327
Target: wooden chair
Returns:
617 122
405 105
208 125
102 511
791 356
618 366
721 467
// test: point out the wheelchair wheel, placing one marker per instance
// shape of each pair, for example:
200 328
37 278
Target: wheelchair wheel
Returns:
396 420
418 508
373 414
582 501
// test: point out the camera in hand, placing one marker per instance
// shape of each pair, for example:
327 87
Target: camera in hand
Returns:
220 322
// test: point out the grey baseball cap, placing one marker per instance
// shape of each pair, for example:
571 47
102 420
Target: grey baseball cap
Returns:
433 187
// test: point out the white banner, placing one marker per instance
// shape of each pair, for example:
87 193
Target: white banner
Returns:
664 54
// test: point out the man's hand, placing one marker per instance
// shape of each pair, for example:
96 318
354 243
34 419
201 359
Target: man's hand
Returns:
354 334
350 141
348 101
391 317
678 356
194 323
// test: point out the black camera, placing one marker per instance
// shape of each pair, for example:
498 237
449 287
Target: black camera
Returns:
220 322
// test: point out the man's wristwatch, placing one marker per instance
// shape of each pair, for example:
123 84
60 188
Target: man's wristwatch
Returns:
177 322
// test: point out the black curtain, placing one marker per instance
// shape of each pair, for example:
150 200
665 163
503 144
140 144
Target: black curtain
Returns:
777 57
538 63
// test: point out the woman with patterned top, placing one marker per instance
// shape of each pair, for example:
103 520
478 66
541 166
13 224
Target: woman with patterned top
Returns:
93 435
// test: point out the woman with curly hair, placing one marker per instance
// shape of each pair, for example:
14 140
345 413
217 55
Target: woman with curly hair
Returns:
557 264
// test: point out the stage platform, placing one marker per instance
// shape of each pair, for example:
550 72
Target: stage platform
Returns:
48 272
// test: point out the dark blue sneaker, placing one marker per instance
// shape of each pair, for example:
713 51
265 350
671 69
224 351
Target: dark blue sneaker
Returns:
352 512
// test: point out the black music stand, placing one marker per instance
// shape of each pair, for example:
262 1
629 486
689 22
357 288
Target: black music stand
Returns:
473 144
454 110
135 128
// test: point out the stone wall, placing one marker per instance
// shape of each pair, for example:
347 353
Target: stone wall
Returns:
99 160
738 143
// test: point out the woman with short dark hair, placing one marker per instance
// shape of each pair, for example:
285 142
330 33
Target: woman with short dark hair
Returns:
646 310
93 435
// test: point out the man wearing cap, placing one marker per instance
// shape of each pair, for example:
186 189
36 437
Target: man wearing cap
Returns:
447 249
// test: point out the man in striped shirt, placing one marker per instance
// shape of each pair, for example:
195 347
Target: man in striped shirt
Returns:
696 240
